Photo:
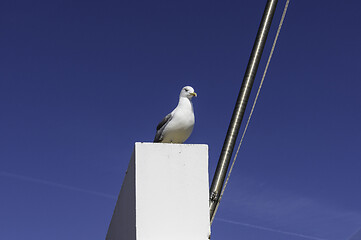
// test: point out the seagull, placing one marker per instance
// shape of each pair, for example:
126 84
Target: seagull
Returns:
177 126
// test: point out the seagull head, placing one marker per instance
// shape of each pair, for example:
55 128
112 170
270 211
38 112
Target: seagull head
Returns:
188 92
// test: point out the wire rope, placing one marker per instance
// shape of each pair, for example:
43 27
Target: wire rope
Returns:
253 106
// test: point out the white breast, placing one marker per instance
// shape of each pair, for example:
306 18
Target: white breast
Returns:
181 125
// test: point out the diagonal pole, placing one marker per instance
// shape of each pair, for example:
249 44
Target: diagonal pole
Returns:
240 107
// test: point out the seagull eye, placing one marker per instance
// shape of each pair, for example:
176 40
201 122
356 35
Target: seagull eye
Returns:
186 89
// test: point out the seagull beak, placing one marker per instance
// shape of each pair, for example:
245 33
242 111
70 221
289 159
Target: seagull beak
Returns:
193 94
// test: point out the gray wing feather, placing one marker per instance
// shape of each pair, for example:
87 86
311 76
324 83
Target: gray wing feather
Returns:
159 135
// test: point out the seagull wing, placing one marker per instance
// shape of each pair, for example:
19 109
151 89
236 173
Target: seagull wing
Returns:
159 135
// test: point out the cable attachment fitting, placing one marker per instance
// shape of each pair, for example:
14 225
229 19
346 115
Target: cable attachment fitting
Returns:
214 196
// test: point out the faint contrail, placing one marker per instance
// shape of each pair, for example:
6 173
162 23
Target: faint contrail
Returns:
356 235
270 229
53 184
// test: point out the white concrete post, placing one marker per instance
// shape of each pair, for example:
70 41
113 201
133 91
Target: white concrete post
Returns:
164 195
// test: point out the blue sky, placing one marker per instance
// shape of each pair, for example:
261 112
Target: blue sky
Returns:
81 81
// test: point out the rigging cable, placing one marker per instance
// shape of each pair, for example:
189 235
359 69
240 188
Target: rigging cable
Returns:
253 106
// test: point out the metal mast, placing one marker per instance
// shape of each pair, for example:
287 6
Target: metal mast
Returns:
240 107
